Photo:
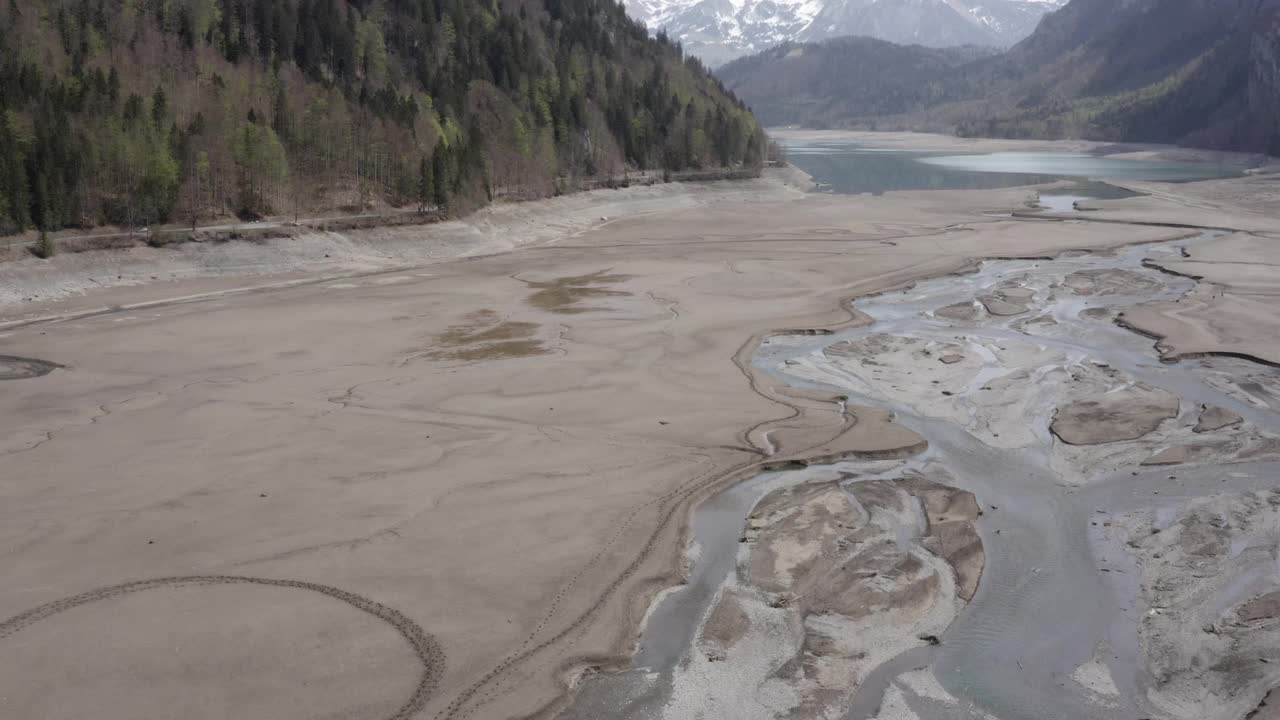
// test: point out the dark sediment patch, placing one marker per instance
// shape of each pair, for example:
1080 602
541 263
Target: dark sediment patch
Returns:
563 295
493 351
484 336
1263 607
20 368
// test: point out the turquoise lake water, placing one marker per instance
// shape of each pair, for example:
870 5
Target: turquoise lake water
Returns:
846 167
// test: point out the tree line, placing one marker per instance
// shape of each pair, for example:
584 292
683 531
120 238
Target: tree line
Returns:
133 112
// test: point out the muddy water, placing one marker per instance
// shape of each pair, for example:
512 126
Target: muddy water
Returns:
716 527
1043 606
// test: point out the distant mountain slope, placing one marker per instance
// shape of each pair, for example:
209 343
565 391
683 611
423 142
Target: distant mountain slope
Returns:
1199 72
721 30
831 83
135 112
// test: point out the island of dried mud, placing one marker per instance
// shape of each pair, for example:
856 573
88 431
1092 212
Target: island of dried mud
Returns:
454 472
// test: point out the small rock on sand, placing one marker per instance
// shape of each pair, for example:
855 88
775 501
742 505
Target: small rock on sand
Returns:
1216 418
950 358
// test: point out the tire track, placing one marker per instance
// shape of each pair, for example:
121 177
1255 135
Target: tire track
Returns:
668 504
425 647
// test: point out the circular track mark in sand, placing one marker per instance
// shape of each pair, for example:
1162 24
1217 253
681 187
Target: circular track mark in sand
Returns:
18 368
425 647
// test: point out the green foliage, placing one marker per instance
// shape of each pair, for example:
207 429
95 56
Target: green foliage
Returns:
426 183
442 175
261 166
157 188
14 198
45 247
117 111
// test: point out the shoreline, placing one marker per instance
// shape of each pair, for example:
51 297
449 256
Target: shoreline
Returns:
498 228
724 231
937 142
111 237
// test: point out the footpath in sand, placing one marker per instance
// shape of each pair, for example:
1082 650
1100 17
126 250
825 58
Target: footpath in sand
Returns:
428 492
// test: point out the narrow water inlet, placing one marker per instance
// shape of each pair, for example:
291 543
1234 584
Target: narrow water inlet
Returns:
716 526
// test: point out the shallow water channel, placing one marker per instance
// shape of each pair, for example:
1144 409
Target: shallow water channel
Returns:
1042 607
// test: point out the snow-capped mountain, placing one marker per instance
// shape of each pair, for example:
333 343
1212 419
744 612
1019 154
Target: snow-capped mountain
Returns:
720 30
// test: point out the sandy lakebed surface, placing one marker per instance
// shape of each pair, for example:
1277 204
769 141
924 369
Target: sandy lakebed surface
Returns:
449 472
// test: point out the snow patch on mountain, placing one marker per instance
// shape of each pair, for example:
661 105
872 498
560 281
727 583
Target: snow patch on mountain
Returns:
721 30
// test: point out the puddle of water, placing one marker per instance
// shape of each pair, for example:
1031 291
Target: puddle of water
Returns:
1064 200
1060 203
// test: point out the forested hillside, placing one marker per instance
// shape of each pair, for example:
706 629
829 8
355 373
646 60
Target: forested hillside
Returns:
132 112
832 83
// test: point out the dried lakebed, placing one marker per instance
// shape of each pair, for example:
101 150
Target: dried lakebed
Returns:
1091 532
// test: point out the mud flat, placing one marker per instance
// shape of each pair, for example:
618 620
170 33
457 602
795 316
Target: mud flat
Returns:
1212 598
835 579
501 453
842 604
